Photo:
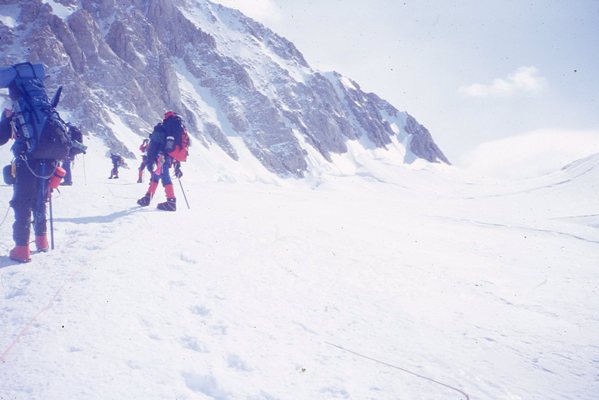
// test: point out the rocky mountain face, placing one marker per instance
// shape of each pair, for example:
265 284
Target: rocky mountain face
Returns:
125 62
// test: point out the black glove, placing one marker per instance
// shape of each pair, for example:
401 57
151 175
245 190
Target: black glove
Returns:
178 173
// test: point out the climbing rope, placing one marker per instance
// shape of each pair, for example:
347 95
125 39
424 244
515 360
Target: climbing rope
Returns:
34 173
401 369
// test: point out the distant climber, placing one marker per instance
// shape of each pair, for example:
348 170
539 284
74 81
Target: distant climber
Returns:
117 161
66 165
144 159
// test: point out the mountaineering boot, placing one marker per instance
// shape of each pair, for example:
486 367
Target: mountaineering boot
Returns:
41 243
145 201
20 254
168 205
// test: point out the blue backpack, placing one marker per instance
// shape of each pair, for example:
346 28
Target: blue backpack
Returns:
44 134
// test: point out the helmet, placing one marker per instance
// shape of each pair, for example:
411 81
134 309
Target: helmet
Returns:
169 114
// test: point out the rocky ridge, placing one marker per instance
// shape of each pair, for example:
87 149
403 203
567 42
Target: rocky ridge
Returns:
125 62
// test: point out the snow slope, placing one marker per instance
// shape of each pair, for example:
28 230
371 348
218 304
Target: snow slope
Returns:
532 154
411 282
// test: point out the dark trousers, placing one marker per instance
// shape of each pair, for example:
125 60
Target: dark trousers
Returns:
144 162
114 172
30 196
165 175
66 164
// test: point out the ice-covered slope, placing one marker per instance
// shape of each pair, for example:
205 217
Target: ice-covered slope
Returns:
241 87
427 286
532 154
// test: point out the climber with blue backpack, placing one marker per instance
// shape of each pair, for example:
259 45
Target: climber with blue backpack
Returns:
169 143
117 161
41 138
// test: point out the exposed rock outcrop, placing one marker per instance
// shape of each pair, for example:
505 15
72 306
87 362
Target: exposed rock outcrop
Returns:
227 74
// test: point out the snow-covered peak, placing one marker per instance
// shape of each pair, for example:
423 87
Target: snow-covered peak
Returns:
242 88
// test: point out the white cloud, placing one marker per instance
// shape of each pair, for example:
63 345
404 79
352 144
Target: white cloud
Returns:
531 154
523 80
264 11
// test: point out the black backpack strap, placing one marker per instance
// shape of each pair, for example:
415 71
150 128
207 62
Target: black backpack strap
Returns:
31 67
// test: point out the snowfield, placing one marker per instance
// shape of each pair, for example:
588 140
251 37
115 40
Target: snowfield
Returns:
404 283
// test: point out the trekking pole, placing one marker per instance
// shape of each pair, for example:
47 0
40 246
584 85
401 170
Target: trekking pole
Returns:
51 223
183 191
84 172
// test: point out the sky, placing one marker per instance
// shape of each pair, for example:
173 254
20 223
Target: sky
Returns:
471 71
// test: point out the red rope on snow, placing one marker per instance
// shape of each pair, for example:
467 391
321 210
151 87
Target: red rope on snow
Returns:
26 328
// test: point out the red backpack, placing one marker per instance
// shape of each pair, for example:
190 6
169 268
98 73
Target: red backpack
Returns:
177 139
